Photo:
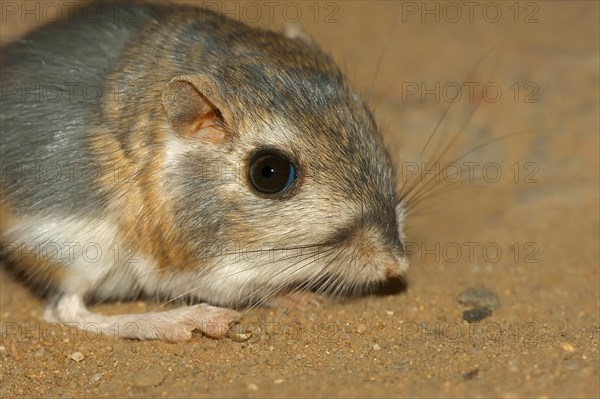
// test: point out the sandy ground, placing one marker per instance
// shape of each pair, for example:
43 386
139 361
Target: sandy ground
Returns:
524 224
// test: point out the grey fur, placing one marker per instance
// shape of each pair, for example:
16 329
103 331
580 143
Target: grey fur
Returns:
262 78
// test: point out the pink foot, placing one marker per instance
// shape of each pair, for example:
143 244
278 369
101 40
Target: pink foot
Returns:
171 325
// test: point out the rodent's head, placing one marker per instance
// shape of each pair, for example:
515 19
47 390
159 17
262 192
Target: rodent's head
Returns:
281 178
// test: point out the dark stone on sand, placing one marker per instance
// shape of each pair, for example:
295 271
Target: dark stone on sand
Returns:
479 297
476 314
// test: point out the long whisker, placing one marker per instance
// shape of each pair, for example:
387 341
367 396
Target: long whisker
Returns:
280 288
286 269
480 146
403 196
315 280
188 292
435 192
384 49
471 72
406 189
423 187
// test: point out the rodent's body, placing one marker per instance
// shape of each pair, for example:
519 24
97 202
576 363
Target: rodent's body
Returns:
154 172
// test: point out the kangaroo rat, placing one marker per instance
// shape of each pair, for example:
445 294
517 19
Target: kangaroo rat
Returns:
171 152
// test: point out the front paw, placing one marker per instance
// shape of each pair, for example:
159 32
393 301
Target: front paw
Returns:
177 324
215 321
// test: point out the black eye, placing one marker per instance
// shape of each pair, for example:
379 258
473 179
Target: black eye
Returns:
271 172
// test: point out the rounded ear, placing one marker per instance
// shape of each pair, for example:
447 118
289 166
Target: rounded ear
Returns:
194 108
295 32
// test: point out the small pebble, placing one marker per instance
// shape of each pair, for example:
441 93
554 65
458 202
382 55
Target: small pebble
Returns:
361 329
476 314
239 333
483 303
479 297
252 387
278 381
471 374
77 356
150 377
94 378
567 347
376 347
179 350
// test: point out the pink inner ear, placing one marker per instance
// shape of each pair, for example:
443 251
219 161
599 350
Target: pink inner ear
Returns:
192 114
207 128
